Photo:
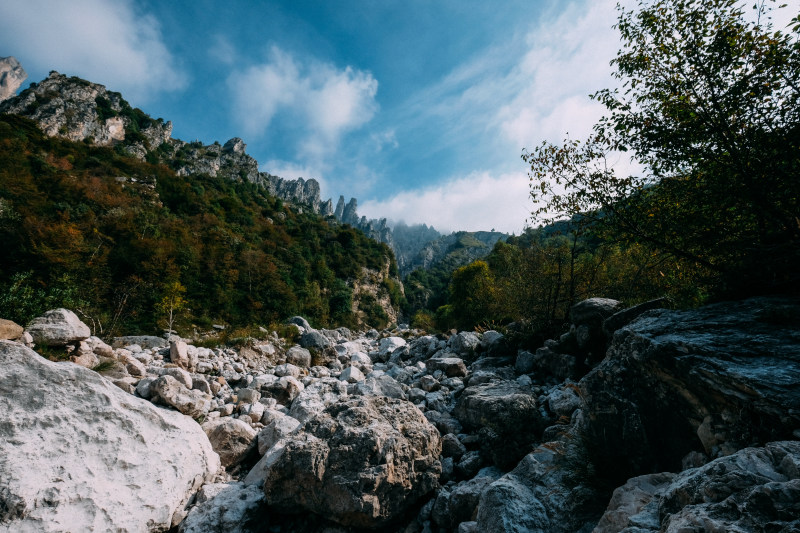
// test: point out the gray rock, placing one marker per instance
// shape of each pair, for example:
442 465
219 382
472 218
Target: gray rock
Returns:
58 327
299 357
231 438
464 343
169 391
383 385
680 381
314 399
144 341
280 428
451 366
755 489
11 77
314 339
564 401
361 463
352 374
593 311
84 447
248 395
507 415
226 508
300 321
287 369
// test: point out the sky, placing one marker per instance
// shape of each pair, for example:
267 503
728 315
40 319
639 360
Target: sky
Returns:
418 108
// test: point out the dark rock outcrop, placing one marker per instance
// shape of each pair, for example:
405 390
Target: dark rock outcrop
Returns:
711 380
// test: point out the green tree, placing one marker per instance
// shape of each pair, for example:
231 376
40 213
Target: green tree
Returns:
710 105
472 295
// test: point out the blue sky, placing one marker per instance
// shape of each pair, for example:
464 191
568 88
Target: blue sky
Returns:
419 108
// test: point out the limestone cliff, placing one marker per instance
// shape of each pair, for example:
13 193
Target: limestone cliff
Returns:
11 77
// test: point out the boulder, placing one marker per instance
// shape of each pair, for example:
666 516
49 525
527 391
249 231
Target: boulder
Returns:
226 508
713 380
388 345
9 330
79 454
231 438
280 428
180 355
144 341
352 374
299 357
299 321
362 462
451 366
167 390
507 417
58 327
314 399
464 343
314 339
755 489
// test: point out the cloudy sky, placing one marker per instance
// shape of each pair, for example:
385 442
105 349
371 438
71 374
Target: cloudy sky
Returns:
418 108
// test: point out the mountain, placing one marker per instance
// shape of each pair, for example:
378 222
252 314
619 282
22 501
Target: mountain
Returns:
102 209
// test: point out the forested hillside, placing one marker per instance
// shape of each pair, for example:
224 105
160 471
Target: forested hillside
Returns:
125 242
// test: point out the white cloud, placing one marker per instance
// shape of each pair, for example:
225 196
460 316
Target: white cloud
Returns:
107 42
324 102
479 201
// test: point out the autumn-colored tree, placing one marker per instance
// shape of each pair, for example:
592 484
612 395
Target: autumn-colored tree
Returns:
172 301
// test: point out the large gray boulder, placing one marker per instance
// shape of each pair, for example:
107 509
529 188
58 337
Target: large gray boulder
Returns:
712 380
79 454
58 327
506 416
361 462
755 489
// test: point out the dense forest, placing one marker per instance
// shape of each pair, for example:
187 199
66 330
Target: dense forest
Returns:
128 244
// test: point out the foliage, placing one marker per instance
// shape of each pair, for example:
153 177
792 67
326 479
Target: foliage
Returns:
710 105
171 302
112 229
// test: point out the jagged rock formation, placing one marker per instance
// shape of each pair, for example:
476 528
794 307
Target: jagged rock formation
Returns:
11 77
76 109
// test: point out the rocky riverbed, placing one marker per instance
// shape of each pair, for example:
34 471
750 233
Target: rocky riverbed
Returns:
635 420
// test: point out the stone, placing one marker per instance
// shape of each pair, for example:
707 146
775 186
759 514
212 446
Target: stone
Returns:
352 374
280 428
98 453
284 391
626 316
299 357
363 462
549 362
58 327
11 77
314 339
287 369
181 375
248 395
170 392
564 401
231 438
180 355
300 321
680 381
451 366
388 345
226 508
507 416
314 399
146 342
84 356
525 362
452 447
464 343
594 311
755 489
10 330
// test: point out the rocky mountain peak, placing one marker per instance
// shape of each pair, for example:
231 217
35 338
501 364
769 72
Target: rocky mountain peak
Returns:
79 110
11 77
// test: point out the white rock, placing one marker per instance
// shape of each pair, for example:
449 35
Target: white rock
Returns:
180 354
225 508
58 327
388 345
352 374
98 454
